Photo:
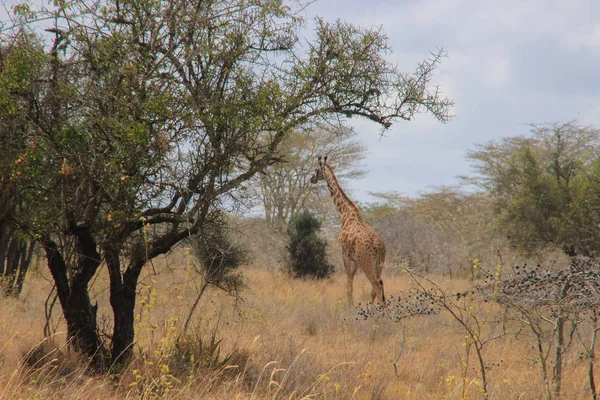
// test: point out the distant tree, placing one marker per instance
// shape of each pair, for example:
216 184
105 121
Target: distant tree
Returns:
408 240
543 187
284 188
21 65
154 115
307 255
443 229
16 252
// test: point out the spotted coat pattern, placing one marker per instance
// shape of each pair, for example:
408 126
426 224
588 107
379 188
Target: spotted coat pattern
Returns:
361 246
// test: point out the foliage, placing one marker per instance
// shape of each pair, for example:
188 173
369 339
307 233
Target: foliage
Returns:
307 256
543 187
21 62
195 353
406 304
219 257
576 288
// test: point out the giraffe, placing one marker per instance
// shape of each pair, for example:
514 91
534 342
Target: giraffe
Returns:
361 245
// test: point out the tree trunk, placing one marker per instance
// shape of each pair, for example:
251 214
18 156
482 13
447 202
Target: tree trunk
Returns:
80 315
58 269
15 257
6 233
592 356
560 340
122 301
123 288
11 261
82 329
23 268
18 259
123 331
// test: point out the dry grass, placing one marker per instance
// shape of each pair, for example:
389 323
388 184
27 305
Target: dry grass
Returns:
287 339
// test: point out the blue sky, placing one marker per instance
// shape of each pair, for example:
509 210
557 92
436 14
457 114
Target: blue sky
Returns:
510 64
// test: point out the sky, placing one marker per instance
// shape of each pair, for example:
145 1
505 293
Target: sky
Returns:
510 64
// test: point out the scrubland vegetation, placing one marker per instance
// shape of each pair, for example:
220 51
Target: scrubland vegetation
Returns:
286 338
292 338
140 136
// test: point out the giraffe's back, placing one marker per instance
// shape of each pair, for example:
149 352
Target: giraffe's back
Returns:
363 242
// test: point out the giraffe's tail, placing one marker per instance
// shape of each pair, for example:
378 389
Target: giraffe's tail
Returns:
382 292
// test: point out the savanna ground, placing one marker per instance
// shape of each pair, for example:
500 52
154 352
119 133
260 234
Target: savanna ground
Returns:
285 338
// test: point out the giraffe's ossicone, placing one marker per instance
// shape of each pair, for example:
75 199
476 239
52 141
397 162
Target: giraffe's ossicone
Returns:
361 245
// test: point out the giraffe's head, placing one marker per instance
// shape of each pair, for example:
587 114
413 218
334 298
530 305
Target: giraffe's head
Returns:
319 174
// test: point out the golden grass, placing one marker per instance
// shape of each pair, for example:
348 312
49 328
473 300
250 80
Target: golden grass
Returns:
290 339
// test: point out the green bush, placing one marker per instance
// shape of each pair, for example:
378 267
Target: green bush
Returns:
307 257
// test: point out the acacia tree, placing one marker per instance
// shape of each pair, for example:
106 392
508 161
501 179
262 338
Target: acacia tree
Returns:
284 188
157 113
543 186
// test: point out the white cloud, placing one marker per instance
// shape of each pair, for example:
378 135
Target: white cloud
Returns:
584 38
510 63
497 72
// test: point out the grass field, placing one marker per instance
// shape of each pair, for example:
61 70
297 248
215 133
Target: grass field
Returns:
284 339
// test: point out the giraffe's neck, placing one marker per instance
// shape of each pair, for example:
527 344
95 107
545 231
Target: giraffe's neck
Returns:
346 208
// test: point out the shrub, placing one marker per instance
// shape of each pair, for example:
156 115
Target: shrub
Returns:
219 260
219 257
307 256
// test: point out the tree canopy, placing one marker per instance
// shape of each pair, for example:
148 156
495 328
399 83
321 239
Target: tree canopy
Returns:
544 187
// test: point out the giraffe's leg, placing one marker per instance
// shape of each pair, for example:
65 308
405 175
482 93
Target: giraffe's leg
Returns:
377 291
351 268
380 263
349 289
372 271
